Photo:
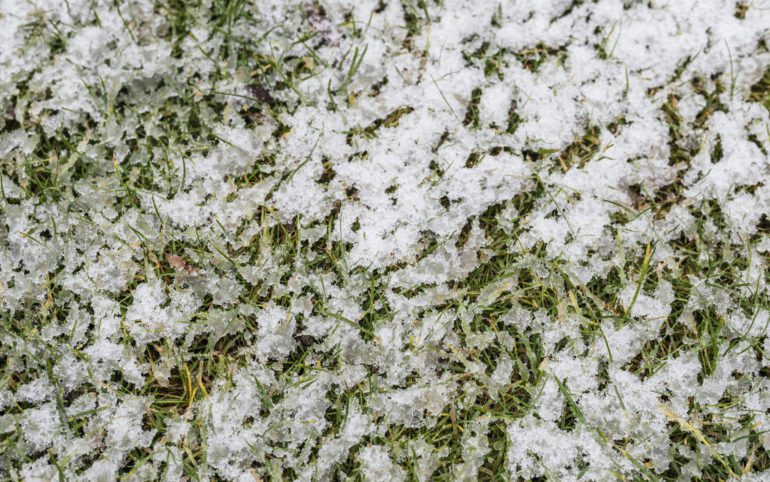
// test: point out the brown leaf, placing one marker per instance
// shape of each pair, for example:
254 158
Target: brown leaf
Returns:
178 263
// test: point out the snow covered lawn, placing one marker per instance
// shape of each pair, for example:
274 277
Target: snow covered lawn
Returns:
384 240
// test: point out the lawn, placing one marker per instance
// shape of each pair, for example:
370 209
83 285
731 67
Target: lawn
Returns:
384 240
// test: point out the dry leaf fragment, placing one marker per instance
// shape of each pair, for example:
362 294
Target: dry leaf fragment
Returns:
179 264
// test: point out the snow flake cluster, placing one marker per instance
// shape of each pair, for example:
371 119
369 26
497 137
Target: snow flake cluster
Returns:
384 240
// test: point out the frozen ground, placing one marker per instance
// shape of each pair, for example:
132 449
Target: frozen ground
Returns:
384 240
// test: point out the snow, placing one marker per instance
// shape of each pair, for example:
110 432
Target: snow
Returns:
311 239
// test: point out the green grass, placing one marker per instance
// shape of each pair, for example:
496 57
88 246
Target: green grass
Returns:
531 279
